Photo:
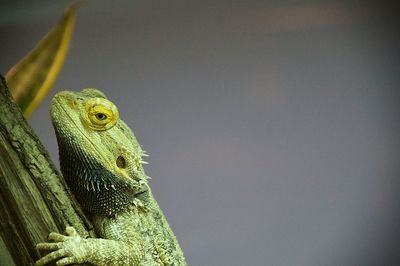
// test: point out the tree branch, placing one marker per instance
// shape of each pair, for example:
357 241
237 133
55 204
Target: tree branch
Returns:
34 199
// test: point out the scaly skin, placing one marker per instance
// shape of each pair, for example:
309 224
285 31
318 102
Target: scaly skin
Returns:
101 161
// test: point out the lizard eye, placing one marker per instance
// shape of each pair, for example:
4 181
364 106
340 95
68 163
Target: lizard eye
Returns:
101 114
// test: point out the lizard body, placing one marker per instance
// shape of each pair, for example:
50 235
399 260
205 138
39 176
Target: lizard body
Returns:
101 162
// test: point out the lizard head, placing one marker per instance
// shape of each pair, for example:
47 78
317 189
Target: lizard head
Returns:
100 157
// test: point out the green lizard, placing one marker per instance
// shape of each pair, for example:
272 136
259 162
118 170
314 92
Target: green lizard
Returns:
101 161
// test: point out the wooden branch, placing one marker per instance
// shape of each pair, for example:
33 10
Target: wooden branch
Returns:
34 199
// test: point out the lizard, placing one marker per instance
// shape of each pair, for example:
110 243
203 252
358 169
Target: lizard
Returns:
102 163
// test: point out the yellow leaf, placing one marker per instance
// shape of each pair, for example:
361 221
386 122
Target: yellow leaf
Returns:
31 79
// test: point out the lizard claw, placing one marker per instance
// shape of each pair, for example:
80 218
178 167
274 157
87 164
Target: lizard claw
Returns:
66 249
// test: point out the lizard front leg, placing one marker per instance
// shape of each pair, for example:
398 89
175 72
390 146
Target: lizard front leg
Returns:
72 248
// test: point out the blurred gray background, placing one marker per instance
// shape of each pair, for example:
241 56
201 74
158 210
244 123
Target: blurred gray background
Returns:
273 126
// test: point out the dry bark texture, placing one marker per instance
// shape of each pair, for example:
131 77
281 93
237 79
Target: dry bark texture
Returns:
33 197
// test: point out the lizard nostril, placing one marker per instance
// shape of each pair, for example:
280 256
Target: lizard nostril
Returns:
121 163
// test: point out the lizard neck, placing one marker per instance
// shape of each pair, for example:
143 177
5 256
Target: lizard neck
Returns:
96 189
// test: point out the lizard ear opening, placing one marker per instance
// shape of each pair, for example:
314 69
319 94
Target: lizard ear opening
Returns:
121 163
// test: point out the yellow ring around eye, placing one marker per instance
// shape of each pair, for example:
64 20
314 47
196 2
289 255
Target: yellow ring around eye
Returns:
101 114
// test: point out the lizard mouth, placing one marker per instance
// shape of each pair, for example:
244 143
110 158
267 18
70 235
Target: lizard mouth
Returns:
142 190
140 193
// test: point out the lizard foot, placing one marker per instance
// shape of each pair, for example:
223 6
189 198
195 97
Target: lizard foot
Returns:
66 249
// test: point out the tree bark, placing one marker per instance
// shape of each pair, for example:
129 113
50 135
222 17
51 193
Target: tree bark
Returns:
34 199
